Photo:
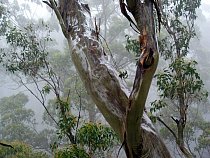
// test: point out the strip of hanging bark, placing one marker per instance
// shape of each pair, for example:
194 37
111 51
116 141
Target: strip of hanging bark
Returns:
123 9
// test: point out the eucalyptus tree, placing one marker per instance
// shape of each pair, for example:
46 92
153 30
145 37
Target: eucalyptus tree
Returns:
123 108
179 84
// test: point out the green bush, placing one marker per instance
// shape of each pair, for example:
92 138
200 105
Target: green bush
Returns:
20 150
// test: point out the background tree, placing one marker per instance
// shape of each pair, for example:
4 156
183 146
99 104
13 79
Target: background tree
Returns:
17 122
179 84
164 109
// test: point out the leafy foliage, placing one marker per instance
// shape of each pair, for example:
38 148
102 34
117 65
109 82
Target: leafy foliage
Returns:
3 19
96 137
67 121
21 150
178 18
180 78
27 55
73 151
132 46
156 105
170 83
182 8
203 139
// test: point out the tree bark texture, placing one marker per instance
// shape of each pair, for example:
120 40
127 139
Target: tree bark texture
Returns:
123 108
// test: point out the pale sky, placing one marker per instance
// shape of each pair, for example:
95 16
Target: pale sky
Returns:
206 1
205 6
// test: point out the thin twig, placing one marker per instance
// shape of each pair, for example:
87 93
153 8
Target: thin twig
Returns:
80 107
41 101
115 63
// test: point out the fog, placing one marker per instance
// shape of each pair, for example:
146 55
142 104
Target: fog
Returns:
10 84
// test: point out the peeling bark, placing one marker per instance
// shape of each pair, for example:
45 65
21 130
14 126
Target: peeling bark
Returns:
122 109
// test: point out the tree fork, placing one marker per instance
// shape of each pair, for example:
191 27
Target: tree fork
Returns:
123 111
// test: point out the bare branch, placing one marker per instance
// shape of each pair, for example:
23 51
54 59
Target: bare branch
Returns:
46 2
175 120
172 132
41 101
80 107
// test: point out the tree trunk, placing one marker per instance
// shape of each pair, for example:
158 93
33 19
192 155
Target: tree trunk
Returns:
122 108
181 123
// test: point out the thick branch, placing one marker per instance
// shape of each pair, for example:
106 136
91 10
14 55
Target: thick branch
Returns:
98 75
143 14
109 100
60 19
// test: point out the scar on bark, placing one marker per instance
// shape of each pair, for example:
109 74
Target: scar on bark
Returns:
146 58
